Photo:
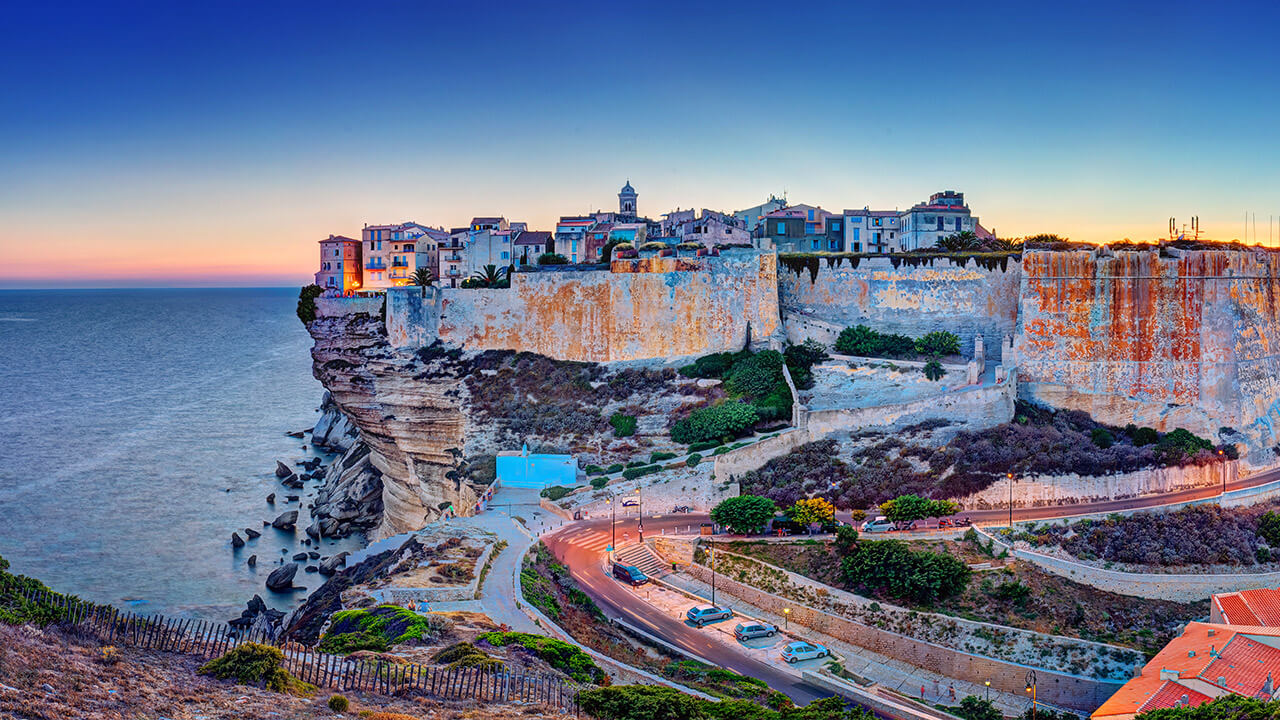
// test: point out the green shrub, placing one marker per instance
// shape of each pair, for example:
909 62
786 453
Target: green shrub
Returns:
714 365
552 259
640 702
745 513
555 492
256 664
623 425
934 371
721 450
593 470
455 652
338 703
660 455
558 654
1142 435
755 376
307 302
615 468
693 460
1269 528
938 343
891 567
599 482
636 463
1102 437
973 707
862 340
636 472
1179 444
702 446
346 643
729 419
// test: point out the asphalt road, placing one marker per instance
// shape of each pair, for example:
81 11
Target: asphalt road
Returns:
585 565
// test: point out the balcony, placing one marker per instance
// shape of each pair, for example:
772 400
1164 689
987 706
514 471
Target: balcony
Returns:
399 264
451 258
372 265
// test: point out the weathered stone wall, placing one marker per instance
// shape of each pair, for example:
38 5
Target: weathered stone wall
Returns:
1175 339
913 297
640 309
1074 489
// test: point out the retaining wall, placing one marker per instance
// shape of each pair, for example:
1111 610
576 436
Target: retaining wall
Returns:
912 296
1040 491
643 309
1156 586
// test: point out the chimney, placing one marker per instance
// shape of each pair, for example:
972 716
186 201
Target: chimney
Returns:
1168 674
1184 699
1222 680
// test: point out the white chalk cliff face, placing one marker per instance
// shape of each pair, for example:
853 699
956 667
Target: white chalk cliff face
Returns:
408 417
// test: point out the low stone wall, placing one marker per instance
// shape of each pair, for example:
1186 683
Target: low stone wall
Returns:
341 306
978 407
1155 586
1041 491
1056 688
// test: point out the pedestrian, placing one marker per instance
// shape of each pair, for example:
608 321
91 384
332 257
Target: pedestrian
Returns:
921 691
952 689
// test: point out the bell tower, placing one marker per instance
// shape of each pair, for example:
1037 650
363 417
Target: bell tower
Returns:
627 200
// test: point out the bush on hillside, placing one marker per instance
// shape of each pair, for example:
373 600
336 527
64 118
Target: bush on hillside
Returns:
338 703
599 482
938 344
718 422
693 460
307 302
934 371
638 472
973 707
660 455
640 702
890 567
713 366
552 259
256 664
757 375
623 425
557 653
862 340
555 492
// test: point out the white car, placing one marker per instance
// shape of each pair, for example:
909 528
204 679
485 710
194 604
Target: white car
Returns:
797 651
878 524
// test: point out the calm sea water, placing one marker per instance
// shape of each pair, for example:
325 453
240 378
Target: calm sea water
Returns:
138 429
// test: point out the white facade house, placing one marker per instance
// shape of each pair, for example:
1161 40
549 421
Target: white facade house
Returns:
872 231
943 215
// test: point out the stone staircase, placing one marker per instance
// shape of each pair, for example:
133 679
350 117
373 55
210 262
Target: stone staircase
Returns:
644 558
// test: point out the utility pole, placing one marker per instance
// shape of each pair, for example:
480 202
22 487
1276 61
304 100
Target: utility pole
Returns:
1009 476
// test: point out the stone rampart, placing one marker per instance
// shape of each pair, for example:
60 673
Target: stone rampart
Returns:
1059 490
640 309
341 306
1162 338
820 296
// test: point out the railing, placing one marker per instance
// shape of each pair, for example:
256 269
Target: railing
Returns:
375 266
211 640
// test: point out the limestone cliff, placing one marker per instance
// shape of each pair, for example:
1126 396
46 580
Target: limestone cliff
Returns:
1161 337
431 420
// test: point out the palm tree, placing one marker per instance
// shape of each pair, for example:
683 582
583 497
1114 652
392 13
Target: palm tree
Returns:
423 277
962 241
491 277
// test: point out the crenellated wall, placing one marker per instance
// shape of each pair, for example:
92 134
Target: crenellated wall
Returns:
821 296
1175 339
640 309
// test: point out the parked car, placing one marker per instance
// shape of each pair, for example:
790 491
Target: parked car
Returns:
629 574
953 522
909 525
878 524
631 501
797 651
702 614
748 630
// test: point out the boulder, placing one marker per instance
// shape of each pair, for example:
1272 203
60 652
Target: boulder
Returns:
286 521
313 554
281 578
271 499
314 529
236 541
282 470
330 565
300 556
258 617
295 434
253 561
252 533
312 568
292 481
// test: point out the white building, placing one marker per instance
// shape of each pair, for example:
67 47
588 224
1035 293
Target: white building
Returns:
943 215
872 231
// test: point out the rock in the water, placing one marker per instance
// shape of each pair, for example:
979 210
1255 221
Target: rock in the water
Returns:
252 533
313 555
282 470
312 568
291 498
281 578
295 434
257 617
271 499
286 521
331 565
314 529
292 481
253 560
300 556
236 541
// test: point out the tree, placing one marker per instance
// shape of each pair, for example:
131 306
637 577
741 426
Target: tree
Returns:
745 513
727 420
307 302
1235 707
906 508
812 510
552 259
491 277
973 707
846 539
938 343
422 277
1269 528
934 371
965 240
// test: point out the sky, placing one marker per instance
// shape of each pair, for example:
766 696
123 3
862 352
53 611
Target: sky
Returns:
154 144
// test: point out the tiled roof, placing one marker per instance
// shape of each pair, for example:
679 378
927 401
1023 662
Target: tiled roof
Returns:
871 213
339 238
1264 603
1171 694
485 220
533 237
1235 610
1245 664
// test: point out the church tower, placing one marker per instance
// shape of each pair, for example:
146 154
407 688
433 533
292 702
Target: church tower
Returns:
627 200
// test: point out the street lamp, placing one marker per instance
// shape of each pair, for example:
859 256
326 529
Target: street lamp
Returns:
786 618
1009 476
1222 468
613 523
988 684
711 549
640 511
1031 688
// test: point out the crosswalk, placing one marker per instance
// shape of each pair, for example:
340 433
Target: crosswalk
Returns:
596 540
630 551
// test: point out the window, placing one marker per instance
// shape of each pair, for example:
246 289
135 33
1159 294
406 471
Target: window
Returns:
782 228
335 252
815 244
833 245
505 255
573 258
835 226
857 247
856 233
957 224
810 216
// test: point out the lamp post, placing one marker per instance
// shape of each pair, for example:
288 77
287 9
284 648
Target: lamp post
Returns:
640 512
786 618
1031 688
1009 476
988 684
1222 468
712 550
613 523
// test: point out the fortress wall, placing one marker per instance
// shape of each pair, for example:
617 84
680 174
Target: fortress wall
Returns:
640 309
1189 340
915 297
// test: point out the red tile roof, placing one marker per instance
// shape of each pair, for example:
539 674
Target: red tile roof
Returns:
1260 606
1245 664
1170 695
1235 610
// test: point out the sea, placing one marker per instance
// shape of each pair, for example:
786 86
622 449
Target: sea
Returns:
139 429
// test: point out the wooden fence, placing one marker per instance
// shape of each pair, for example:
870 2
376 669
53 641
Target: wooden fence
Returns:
211 640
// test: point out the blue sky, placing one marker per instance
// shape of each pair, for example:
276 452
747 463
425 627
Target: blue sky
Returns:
156 143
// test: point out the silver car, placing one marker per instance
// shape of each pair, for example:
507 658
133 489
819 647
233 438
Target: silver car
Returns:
748 630
702 614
